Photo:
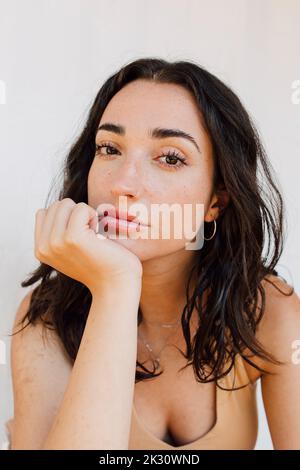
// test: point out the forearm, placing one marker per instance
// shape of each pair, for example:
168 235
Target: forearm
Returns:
95 412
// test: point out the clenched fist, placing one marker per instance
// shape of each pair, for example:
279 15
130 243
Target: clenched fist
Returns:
65 238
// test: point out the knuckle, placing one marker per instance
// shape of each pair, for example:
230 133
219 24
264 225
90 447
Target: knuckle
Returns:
39 212
81 205
68 201
51 206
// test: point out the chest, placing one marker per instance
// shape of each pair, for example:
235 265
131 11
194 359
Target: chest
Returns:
174 407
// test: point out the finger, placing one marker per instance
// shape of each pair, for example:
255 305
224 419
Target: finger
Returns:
48 223
39 220
61 220
83 216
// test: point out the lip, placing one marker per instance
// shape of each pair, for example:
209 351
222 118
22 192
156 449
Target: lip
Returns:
122 216
121 225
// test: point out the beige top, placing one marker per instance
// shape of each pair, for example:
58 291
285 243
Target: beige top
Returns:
236 424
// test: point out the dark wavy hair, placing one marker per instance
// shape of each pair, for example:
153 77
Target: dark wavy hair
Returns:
230 267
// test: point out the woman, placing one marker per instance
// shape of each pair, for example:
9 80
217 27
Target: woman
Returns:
124 318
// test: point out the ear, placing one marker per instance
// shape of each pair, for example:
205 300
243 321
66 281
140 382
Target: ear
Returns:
218 203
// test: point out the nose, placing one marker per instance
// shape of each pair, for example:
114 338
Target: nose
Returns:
127 182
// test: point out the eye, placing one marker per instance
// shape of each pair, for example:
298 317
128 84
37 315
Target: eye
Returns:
107 146
172 158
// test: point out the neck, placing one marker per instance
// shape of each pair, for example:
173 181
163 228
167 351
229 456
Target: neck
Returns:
163 294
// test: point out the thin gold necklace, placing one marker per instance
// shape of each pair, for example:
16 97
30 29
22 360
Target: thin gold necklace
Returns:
156 357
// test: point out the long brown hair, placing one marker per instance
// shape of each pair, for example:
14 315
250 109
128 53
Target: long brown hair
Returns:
231 266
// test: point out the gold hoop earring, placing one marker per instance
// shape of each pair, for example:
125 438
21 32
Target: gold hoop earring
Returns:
214 232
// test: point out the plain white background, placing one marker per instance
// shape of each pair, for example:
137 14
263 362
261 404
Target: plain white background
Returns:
56 54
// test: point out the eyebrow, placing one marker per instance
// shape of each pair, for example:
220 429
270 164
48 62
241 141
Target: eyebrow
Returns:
156 133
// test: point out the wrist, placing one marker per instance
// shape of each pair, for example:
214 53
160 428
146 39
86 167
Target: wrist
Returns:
117 286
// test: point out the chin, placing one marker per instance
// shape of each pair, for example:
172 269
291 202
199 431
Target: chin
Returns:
151 249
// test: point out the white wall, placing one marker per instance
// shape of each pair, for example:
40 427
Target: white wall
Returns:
55 55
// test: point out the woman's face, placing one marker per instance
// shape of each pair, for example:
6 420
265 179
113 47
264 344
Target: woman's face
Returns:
136 166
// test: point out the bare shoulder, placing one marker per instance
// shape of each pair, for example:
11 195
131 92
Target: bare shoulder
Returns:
279 327
29 338
40 373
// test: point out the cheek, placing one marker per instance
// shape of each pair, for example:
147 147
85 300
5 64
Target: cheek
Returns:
96 185
189 194
198 190
193 199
